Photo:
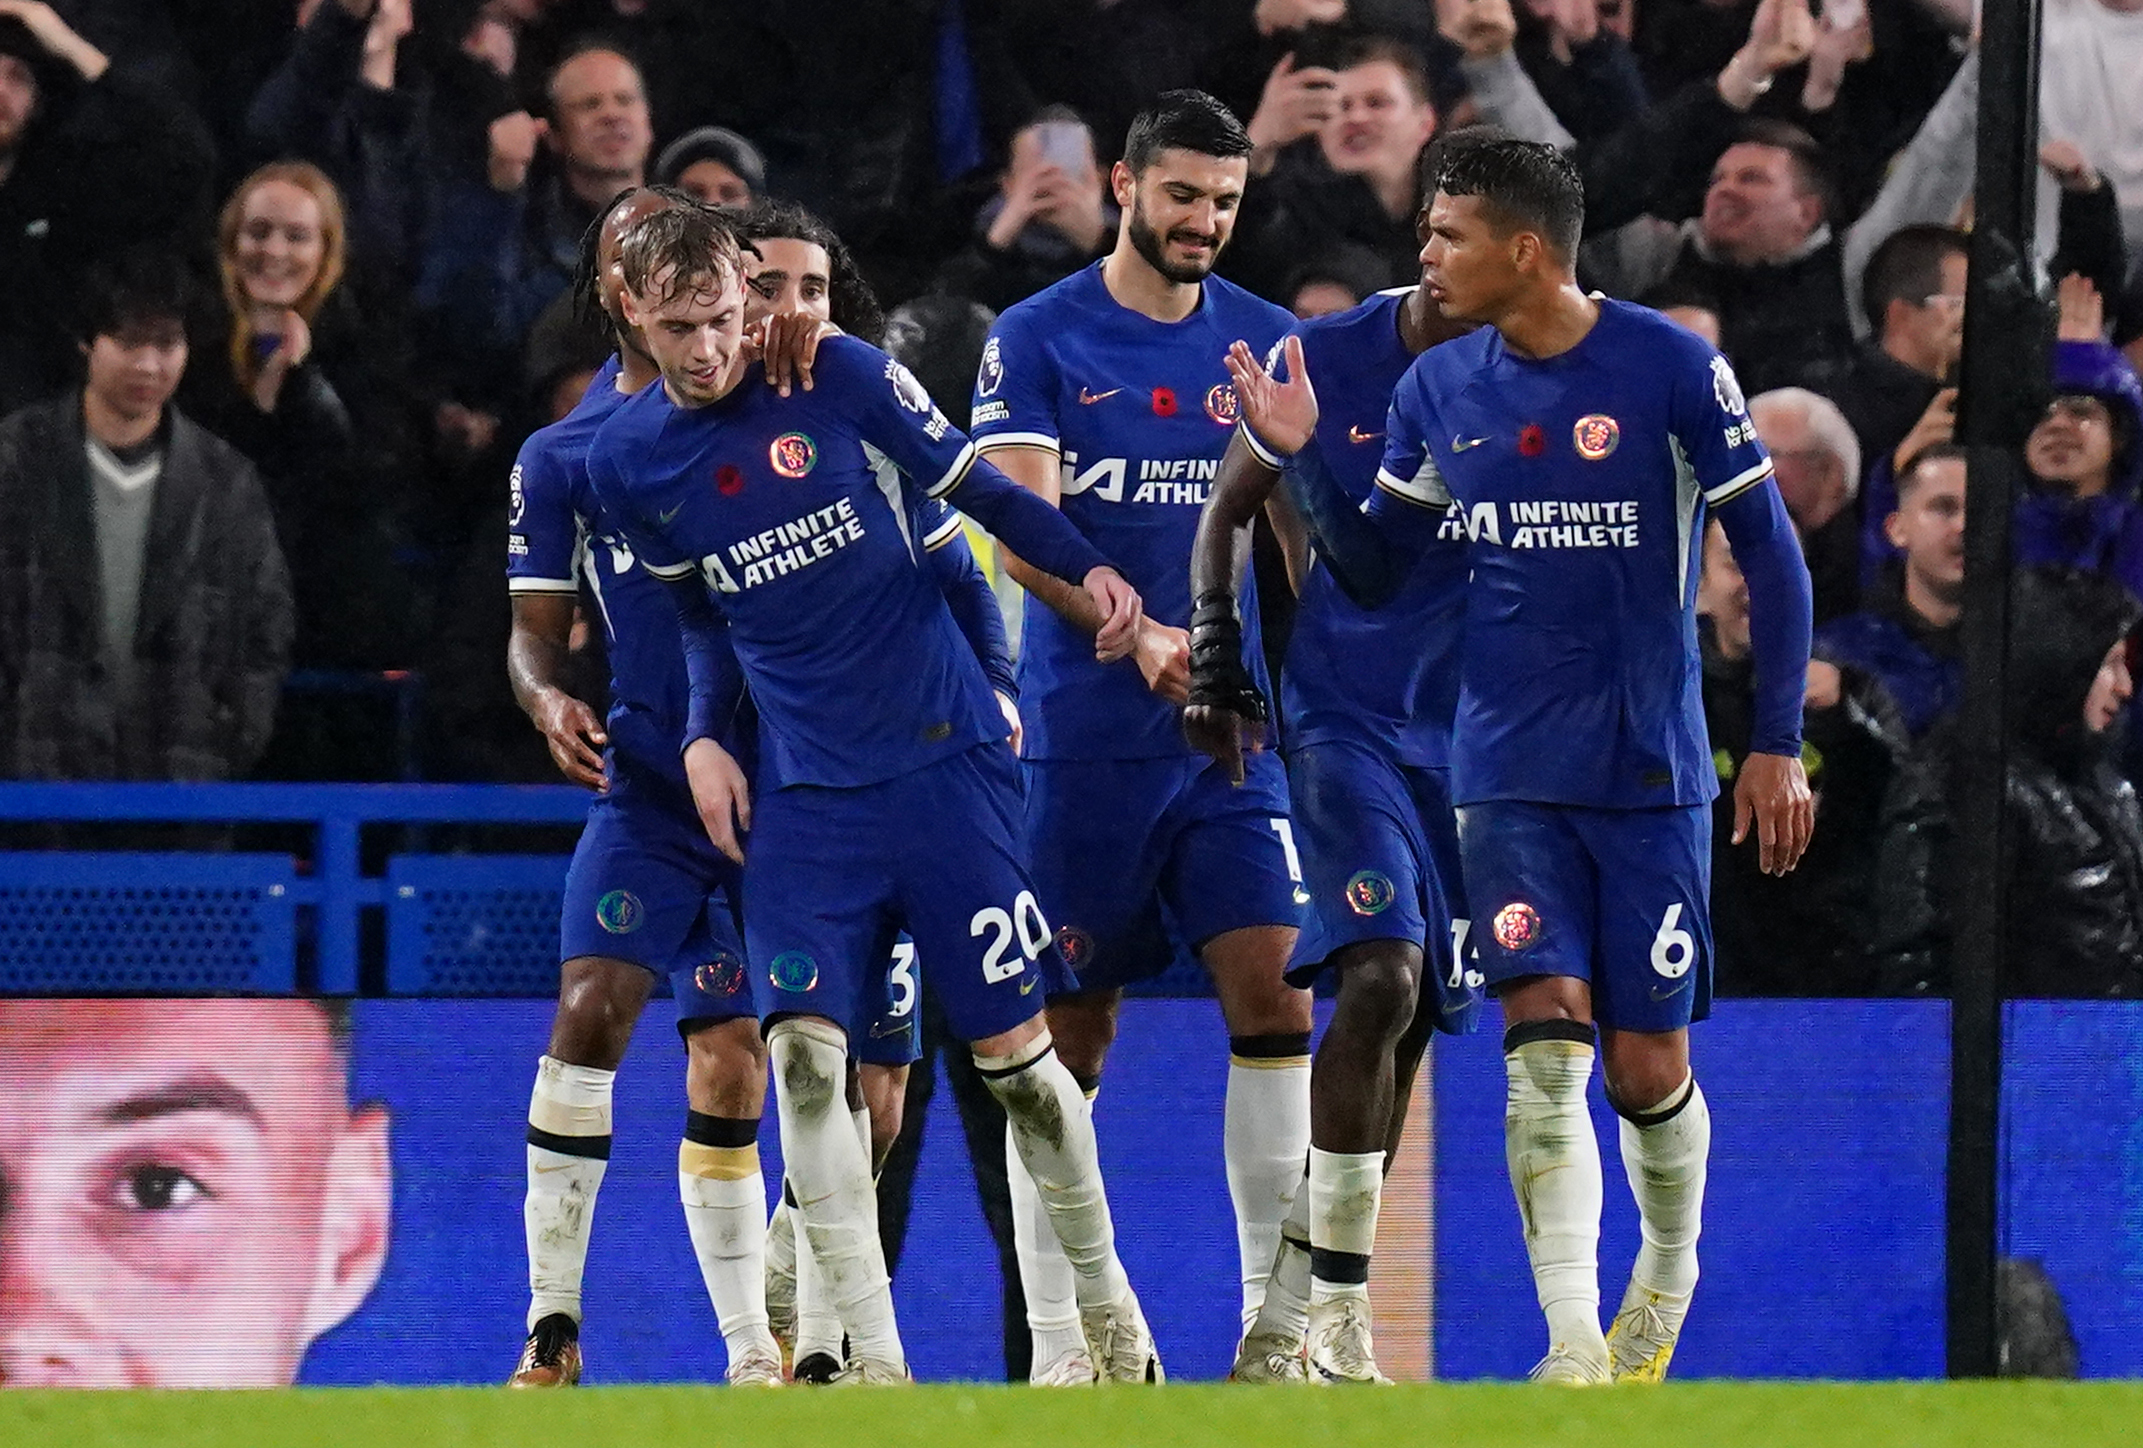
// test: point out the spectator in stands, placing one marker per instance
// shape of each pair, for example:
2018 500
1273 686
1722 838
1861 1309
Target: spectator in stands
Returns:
505 249
1818 462
145 612
224 1203
1051 216
344 100
92 161
1340 277
2075 857
1906 633
1765 248
2085 50
2085 457
1693 307
714 164
1913 295
1819 930
305 387
1583 69
1367 189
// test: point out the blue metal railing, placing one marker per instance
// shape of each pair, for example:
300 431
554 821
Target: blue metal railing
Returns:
336 887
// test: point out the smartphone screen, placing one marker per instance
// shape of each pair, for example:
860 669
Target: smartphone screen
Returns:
1064 145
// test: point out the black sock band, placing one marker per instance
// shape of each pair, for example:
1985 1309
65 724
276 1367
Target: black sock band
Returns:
788 1194
1674 1106
1348 1269
1525 1033
593 1148
1280 1047
727 1132
998 1073
1089 1083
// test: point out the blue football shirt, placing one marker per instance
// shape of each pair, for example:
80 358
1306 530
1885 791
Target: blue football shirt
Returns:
1388 676
807 518
559 538
1584 480
1140 413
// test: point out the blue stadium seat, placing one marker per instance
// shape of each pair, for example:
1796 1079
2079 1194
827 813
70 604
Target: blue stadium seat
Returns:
140 923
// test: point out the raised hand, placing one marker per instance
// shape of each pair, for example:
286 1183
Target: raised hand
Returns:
1283 415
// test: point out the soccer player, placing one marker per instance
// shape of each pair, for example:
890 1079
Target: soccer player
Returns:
801 276
889 792
1368 696
647 890
1107 395
1585 442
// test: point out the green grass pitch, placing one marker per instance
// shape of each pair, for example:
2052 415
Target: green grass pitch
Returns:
1703 1415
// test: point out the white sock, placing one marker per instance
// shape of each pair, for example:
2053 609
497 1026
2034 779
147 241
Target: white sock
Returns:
1285 1313
818 1320
1554 1161
781 1240
1665 1161
1053 1135
1265 1130
1045 1273
830 1174
725 1211
1345 1188
568 1148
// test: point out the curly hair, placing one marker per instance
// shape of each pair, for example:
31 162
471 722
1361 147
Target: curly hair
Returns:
853 304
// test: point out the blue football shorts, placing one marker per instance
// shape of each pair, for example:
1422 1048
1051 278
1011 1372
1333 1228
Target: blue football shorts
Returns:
1380 858
1136 857
834 875
1615 897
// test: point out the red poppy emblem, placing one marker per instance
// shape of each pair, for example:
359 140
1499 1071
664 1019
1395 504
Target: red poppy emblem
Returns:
1532 442
729 480
1164 402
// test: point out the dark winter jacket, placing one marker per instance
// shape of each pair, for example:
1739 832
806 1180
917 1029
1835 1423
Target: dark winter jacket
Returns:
1919 664
2074 858
1782 322
214 634
1829 928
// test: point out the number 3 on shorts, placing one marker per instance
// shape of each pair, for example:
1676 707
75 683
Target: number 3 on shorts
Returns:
1674 950
1025 918
902 976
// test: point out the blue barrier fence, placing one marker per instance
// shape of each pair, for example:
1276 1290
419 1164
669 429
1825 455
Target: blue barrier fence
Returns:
110 920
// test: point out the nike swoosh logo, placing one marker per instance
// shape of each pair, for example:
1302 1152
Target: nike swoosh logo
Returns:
1461 444
662 520
882 1029
1671 991
1355 434
1027 986
1090 398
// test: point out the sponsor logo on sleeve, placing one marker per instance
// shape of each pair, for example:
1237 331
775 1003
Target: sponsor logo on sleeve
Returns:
991 374
1726 387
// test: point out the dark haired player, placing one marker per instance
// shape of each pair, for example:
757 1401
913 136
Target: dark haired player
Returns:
1368 694
1585 442
1107 395
889 794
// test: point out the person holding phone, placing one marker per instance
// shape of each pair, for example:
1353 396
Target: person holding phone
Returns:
304 386
1052 215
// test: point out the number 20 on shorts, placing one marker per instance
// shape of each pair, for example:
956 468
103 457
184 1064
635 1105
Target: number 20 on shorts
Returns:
1023 920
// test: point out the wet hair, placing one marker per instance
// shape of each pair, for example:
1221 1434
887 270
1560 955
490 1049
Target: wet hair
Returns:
1909 476
853 304
1907 267
697 245
1184 120
1522 185
586 286
140 286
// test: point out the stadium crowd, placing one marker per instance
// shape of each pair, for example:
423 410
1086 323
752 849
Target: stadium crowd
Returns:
283 287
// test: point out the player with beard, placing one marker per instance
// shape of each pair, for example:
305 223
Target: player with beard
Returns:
1107 395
